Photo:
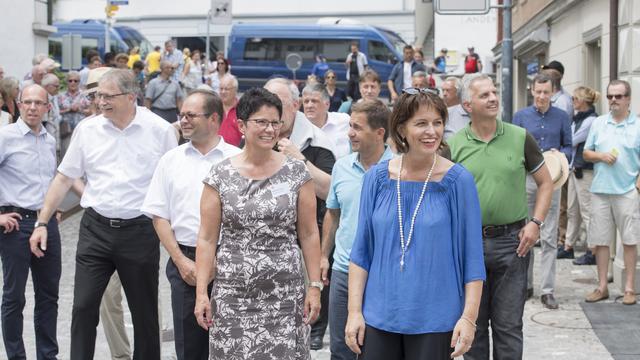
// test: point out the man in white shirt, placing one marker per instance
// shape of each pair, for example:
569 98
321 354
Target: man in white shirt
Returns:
315 101
117 152
173 200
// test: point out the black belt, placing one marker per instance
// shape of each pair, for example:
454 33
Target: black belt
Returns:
492 231
22 211
187 249
117 223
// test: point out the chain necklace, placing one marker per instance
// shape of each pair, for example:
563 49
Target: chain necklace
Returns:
404 246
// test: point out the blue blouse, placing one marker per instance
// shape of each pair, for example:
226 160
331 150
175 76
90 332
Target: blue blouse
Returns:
445 252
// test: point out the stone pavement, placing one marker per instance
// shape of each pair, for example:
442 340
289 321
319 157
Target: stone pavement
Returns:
560 334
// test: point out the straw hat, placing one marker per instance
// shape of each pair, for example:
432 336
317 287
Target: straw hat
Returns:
94 77
558 166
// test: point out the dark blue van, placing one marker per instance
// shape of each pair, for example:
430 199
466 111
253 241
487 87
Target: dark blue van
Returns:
258 51
122 38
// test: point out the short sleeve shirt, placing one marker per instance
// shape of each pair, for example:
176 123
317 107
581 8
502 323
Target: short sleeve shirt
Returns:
499 167
622 138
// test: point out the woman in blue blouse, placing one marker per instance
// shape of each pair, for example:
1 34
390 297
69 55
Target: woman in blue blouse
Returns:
417 267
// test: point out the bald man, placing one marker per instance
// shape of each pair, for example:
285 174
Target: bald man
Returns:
27 166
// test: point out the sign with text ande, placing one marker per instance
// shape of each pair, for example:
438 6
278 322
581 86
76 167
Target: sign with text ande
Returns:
462 7
118 2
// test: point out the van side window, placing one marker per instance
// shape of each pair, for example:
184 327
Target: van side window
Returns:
335 50
380 52
278 49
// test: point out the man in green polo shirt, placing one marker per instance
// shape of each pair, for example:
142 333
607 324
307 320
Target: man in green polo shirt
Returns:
499 156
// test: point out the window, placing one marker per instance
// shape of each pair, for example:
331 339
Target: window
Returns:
335 50
278 49
380 52
55 48
88 44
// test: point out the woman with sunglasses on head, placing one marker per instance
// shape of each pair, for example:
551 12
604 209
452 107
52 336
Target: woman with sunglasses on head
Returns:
336 95
581 175
258 210
417 268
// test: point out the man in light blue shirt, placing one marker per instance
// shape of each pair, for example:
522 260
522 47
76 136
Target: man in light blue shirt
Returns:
174 56
368 131
613 145
27 166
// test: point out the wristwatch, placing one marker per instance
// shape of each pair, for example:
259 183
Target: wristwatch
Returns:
537 222
317 284
38 224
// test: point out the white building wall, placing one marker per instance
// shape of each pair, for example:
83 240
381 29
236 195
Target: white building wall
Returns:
159 20
23 33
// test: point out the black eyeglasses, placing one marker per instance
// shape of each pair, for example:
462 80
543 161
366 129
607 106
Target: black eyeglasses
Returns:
416 91
616 96
191 116
108 97
264 123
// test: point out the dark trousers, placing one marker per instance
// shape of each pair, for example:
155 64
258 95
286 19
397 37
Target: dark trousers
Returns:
353 88
383 345
191 341
168 114
134 252
338 314
17 259
503 297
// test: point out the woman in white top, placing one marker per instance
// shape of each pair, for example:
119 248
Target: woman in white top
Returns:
192 73
222 68
5 117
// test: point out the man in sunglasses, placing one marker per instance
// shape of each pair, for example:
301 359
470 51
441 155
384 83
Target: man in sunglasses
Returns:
27 166
117 152
173 201
613 145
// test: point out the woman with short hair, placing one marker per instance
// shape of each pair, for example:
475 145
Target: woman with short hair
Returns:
258 210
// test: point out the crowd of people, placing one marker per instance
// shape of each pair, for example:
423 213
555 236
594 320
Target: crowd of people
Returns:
409 232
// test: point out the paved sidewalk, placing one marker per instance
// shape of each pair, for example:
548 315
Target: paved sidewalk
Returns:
560 334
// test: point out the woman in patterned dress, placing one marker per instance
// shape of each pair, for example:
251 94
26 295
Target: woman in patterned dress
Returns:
258 211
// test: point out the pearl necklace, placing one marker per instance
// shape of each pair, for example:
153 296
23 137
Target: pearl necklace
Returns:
415 212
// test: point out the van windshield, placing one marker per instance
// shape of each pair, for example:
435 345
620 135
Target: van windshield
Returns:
395 40
133 38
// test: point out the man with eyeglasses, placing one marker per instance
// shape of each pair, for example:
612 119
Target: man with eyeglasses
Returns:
164 95
117 152
27 166
302 140
173 201
613 145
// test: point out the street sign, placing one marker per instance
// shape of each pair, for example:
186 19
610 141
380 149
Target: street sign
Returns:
118 2
293 62
221 12
71 51
462 7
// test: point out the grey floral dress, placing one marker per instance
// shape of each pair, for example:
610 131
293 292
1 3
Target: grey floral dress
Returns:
258 292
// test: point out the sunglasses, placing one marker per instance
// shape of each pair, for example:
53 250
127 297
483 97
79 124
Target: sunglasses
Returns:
330 77
73 80
616 96
416 91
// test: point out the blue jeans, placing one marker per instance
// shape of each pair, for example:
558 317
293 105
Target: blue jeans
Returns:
17 260
338 313
503 296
